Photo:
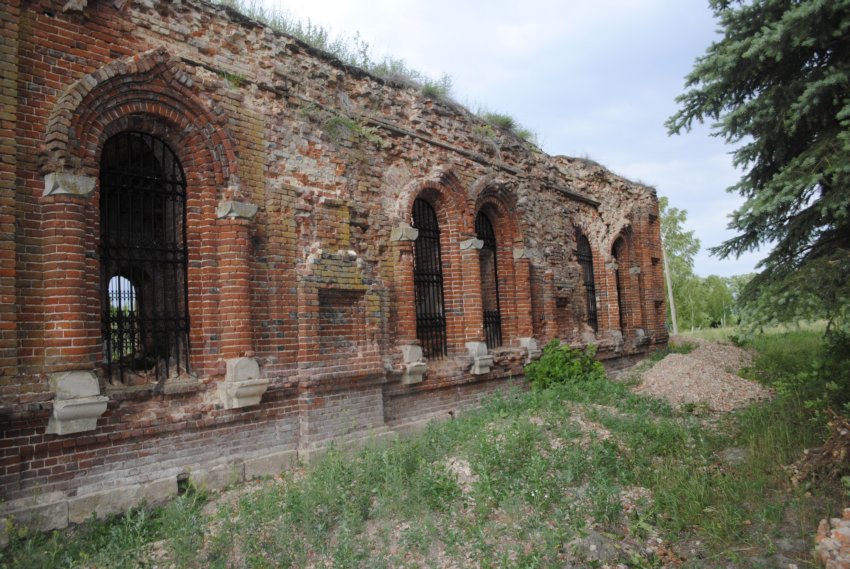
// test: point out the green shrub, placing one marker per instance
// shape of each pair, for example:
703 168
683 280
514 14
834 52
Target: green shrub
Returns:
562 364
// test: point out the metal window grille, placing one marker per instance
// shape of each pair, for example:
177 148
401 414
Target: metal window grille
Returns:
585 259
428 282
143 260
489 281
618 257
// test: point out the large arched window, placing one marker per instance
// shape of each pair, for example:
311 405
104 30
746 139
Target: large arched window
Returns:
585 260
619 253
428 282
489 281
143 260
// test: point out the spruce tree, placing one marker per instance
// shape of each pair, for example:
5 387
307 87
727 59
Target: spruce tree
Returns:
777 87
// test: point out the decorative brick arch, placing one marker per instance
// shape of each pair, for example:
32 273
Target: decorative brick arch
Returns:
498 201
150 88
592 282
626 281
442 186
149 93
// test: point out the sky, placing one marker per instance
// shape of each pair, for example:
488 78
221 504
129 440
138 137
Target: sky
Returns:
591 78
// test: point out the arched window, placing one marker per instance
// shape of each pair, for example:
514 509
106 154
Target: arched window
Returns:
618 252
585 260
489 281
428 282
143 260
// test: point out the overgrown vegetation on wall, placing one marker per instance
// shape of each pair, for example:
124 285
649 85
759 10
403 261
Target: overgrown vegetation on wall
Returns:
354 51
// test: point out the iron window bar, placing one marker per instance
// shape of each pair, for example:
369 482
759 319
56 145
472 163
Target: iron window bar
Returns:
143 259
617 252
489 281
585 260
428 282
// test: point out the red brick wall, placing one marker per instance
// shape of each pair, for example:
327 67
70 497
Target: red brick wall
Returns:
312 286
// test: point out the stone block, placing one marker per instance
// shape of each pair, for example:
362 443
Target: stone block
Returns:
219 476
42 512
120 499
482 361
76 415
414 364
236 210
78 403
74 384
242 385
471 244
270 464
404 232
64 184
534 351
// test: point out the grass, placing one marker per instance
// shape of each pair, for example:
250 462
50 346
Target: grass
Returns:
530 480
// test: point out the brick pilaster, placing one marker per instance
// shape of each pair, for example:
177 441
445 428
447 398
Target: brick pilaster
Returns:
71 341
234 254
8 167
522 272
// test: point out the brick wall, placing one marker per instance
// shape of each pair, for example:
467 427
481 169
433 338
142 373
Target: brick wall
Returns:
301 175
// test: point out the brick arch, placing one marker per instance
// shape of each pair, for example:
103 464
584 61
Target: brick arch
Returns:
626 285
149 91
443 190
498 201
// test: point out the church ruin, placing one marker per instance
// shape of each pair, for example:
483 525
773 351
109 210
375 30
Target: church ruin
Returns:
221 250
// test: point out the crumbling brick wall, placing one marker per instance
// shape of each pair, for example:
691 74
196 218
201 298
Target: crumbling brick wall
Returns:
301 174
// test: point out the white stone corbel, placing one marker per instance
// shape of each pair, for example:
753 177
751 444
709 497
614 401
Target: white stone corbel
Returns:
404 232
471 244
482 361
65 184
414 364
534 351
634 271
242 385
77 403
235 210
612 266
521 253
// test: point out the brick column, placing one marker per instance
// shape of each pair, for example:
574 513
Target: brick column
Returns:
550 307
234 253
522 272
413 364
473 310
71 338
403 237
71 335
8 167
242 385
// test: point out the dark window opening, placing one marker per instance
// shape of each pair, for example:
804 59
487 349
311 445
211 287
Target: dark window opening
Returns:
489 281
585 260
428 282
143 260
619 273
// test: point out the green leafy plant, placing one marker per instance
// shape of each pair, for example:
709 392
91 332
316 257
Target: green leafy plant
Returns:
562 364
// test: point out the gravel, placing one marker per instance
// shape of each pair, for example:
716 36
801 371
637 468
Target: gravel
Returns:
705 377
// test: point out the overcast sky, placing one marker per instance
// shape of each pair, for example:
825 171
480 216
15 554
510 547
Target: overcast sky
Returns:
592 78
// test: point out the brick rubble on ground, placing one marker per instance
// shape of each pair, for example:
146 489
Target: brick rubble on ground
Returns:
705 376
832 547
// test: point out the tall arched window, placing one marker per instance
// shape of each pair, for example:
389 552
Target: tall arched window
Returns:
585 260
489 281
428 282
618 252
143 260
